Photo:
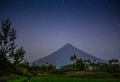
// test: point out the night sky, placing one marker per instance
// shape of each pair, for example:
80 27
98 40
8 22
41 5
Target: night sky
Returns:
44 26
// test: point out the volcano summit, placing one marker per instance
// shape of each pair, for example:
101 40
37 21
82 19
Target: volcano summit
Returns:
62 56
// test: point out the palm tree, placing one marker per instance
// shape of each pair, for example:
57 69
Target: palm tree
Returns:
89 61
94 64
113 61
47 65
74 59
116 61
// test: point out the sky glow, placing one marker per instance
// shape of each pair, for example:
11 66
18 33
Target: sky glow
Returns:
43 26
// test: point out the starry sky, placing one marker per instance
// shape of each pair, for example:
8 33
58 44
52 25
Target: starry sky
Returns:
44 26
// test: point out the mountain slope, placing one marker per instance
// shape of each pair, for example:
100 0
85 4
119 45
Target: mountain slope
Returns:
62 56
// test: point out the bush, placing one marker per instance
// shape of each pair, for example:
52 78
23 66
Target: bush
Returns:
29 75
13 76
21 70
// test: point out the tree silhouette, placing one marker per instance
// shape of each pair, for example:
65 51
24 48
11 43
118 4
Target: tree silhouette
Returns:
9 54
113 65
7 44
74 59
18 57
80 65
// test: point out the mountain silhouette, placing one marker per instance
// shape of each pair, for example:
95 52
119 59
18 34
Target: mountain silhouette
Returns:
62 56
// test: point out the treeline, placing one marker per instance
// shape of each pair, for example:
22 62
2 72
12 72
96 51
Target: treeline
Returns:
111 66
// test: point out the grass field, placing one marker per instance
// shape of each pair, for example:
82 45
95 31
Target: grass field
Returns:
74 77
62 79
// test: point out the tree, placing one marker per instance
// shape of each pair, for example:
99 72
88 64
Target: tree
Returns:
94 65
47 65
113 61
9 54
89 61
7 44
74 59
80 65
18 57
113 65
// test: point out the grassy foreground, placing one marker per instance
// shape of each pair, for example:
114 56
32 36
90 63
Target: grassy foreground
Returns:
62 79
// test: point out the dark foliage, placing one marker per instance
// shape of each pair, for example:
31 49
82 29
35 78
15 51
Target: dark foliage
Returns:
10 56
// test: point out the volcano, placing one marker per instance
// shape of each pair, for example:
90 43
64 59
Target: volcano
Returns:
62 56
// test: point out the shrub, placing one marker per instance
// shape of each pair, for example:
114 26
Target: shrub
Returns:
21 70
13 76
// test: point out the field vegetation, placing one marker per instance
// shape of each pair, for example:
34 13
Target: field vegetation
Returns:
61 79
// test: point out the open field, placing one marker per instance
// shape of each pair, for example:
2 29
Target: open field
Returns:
92 74
82 76
62 79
